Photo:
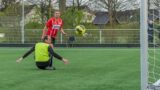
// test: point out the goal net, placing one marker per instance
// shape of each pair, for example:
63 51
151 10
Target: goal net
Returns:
154 44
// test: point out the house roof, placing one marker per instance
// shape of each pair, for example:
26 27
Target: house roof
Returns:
101 18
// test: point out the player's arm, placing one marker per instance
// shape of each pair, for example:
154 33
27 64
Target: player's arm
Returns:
62 31
65 61
44 32
47 25
25 55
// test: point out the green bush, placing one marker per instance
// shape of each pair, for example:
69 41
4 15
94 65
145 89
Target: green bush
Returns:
34 25
2 14
72 17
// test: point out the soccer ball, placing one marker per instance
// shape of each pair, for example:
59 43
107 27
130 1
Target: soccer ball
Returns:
80 30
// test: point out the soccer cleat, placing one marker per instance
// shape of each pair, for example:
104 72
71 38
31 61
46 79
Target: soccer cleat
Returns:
54 68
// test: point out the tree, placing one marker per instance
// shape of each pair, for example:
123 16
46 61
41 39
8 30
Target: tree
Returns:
49 8
72 17
157 3
78 4
6 3
133 3
134 7
149 4
62 5
43 11
46 8
112 6
10 7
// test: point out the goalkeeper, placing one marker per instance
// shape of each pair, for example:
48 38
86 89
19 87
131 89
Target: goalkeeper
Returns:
43 54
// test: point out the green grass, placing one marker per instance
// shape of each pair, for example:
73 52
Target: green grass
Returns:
89 69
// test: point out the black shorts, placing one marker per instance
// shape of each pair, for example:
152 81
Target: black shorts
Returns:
42 65
53 40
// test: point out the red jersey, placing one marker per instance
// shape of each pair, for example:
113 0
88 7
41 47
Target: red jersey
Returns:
54 25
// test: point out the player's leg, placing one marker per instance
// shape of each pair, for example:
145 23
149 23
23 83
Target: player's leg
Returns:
45 65
42 65
52 45
53 40
50 65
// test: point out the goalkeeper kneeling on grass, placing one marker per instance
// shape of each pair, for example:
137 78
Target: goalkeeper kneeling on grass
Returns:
43 54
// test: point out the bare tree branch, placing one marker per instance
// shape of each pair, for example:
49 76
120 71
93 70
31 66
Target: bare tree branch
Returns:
157 3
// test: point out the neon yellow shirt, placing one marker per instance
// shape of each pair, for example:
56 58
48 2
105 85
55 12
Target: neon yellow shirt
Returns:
41 52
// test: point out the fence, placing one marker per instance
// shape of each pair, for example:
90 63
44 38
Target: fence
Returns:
95 36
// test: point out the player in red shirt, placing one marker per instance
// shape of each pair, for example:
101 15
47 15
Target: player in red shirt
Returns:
52 27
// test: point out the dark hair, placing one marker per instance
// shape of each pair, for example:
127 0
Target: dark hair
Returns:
45 38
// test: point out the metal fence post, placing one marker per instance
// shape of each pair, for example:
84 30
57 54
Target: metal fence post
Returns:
100 36
61 38
22 23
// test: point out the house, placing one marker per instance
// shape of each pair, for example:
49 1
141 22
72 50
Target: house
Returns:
101 18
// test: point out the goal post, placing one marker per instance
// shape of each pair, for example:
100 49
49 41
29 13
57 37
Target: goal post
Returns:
144 43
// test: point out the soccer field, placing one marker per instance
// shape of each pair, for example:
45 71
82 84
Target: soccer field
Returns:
88 69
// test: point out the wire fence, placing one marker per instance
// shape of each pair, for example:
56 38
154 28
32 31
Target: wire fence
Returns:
11 32
19 17
95 36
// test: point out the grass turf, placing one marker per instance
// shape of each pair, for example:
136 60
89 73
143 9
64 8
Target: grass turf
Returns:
89 69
